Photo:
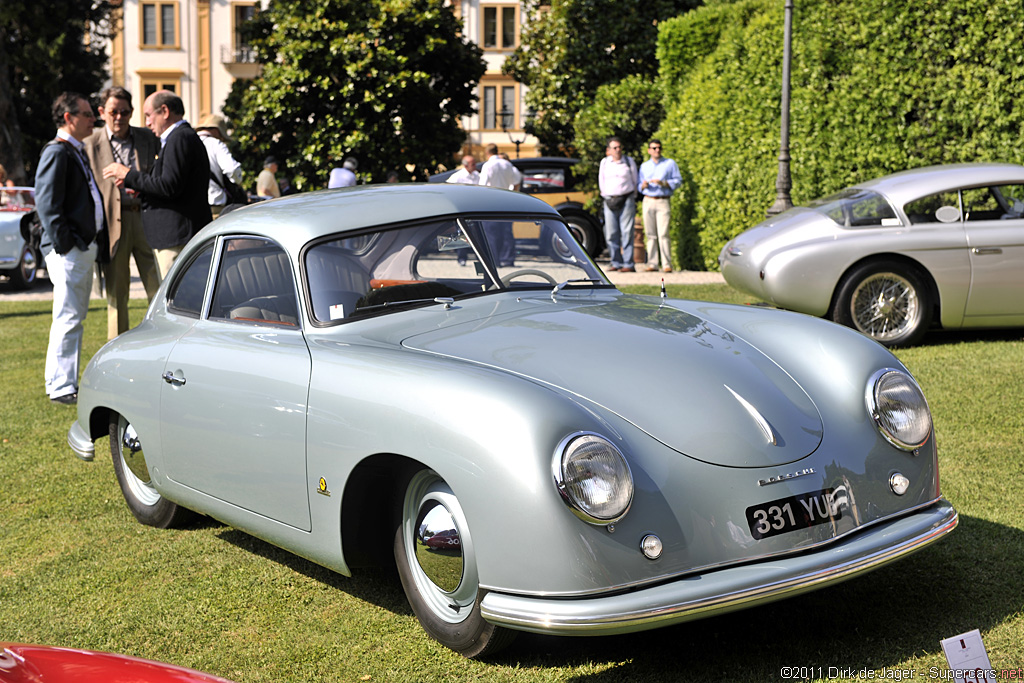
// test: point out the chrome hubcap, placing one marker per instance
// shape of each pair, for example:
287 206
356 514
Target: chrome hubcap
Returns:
439 548
133 464
885 306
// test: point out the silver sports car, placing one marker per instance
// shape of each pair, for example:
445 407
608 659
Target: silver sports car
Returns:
423 374
939 245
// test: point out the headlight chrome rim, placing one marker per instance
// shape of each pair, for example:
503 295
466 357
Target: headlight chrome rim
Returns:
893 413
567 456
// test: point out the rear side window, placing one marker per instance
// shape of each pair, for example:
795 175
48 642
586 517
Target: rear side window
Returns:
544 180
856 208
186 295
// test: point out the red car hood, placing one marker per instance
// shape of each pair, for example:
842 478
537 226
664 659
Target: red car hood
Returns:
42 664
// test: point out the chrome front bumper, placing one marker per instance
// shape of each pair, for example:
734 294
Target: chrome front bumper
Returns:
724 590
80 442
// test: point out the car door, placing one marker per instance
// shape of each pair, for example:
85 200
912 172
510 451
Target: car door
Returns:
994 223
233 401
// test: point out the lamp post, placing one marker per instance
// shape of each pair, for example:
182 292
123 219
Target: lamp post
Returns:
506 116
783 183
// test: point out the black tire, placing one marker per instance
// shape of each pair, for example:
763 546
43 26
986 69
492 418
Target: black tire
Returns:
450 615
148 506
24 276
586 232
888 301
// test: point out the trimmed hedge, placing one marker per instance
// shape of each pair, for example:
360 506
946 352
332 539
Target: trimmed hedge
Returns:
877 87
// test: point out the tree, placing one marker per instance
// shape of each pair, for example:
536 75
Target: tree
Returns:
385 81
45 48
569 50
877 87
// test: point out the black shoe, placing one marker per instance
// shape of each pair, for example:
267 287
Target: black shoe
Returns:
66 399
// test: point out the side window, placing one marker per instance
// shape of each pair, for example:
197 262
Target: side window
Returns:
926 209
186 294
980 204
543 180
255 284
1011 198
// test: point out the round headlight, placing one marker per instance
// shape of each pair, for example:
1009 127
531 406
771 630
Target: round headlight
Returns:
899 409
593 478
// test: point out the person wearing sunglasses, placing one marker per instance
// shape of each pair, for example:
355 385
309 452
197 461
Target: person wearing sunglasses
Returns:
135 147
659 178
70 209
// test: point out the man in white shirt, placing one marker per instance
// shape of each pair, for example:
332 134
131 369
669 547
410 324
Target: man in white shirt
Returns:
212 130
617 180
467 175
498 172
344 176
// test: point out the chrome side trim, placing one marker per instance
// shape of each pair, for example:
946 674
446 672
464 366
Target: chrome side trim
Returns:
724 590
80 442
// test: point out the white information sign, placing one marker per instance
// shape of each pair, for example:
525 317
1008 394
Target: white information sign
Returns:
966 653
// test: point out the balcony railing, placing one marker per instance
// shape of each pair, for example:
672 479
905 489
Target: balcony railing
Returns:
237 55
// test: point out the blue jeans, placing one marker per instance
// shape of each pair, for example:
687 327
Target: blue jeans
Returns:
618 233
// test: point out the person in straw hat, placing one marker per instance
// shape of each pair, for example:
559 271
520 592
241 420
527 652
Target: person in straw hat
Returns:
213 131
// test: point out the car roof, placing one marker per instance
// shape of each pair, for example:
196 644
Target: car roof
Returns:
905 186
518 162
296 219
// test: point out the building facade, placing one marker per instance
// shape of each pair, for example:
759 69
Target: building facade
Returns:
194 48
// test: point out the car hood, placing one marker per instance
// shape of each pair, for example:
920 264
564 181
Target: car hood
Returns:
685 381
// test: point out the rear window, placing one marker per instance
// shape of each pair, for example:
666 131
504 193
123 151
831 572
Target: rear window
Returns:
854 208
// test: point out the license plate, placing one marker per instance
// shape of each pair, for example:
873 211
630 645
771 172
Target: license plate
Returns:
796 512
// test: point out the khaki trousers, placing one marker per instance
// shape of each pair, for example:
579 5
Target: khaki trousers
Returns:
165 259
656 215
117 274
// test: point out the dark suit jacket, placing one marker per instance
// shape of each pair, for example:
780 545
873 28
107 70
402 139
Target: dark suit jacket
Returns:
97 148
174 192
63 200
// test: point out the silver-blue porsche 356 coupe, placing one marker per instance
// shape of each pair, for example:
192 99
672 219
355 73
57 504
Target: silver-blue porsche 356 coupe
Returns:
437 369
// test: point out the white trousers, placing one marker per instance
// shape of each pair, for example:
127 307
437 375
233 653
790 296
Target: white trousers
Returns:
71 275
656 215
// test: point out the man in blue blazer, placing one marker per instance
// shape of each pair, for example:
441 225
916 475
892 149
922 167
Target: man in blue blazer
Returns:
174 205
69 207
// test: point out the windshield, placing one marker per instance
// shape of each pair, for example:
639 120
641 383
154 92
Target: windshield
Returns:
852 208
397 268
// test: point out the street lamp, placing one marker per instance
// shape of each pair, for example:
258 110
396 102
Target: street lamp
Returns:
783 183
506 119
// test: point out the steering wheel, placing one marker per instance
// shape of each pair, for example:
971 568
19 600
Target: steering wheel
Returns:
507 279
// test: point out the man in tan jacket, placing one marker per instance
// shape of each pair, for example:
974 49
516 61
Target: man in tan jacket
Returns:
119 141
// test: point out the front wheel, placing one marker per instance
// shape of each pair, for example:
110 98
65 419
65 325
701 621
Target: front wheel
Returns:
887 301
437 566
145 502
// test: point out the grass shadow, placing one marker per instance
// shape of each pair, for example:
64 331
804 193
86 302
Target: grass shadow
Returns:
875 621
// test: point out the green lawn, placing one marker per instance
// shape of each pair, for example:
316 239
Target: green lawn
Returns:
78 570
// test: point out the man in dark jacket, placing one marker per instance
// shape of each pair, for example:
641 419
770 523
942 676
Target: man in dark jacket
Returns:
69 207
174 205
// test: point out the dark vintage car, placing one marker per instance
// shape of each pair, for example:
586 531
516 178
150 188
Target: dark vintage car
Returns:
550 179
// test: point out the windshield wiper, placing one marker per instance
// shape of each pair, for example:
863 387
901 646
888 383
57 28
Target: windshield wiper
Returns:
562 285
446 300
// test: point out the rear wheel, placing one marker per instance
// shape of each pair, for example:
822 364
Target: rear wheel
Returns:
437 566
585 232
24 275
145 502
888 301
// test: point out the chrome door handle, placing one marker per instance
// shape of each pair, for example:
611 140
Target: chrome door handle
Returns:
986 251
171 379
